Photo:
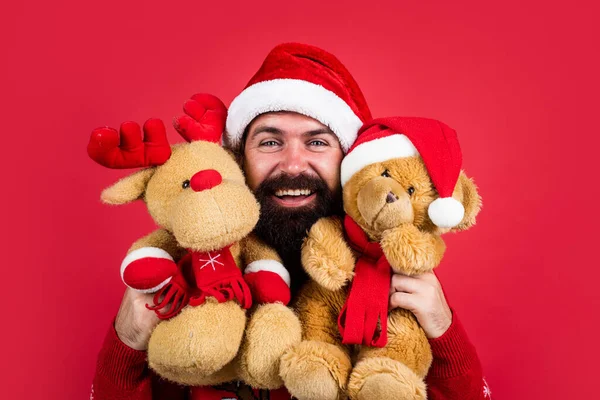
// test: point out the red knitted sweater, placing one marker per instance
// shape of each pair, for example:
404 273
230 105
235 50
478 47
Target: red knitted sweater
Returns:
122 373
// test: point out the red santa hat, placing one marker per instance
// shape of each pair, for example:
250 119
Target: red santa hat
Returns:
303 79
397 137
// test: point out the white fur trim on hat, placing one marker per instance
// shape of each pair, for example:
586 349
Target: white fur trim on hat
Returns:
295 95
270 266
374 151
446 212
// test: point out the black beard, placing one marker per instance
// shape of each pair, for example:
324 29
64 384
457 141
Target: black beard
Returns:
285 228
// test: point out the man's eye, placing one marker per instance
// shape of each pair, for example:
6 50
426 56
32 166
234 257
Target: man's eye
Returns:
269 143
318 143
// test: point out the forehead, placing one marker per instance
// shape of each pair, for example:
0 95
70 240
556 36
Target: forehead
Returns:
286 122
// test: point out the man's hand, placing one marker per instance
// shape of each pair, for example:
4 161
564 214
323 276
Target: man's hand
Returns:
424 297
135 322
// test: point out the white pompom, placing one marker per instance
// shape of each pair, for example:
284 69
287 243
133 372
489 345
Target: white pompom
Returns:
446 212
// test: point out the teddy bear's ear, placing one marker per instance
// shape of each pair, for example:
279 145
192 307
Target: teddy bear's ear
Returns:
128 189
466 192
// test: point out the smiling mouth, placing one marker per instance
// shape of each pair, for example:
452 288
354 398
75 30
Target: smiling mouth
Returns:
294 197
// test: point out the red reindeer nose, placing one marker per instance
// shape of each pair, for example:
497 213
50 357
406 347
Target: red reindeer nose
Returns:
204 180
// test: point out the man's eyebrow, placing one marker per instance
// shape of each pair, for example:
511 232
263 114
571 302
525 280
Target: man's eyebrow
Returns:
319 131
265 128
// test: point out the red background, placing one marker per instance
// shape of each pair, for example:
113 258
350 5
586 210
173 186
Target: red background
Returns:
518 81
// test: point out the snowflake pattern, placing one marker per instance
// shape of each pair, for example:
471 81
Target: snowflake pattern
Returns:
92 393
212 261
487 393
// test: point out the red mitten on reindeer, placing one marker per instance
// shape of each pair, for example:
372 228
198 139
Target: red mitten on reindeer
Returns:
148 269
269 282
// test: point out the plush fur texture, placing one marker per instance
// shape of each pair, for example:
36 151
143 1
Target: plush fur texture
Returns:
162 239
318 367
389 201
202 221
271 330
384 378
325 256
199 345
325 365
184 348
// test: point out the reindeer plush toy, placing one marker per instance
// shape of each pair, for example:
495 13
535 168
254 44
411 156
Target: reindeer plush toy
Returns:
196 194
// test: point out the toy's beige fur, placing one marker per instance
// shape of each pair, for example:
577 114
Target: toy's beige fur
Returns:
320 367
199 346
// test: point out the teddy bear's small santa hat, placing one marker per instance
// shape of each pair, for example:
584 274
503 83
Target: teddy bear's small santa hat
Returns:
304 79
398 137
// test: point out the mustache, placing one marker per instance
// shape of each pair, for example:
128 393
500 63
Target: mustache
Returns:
284 181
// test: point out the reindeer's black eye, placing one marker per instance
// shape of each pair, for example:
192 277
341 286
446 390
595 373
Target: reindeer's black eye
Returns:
386 173
411 190
186 184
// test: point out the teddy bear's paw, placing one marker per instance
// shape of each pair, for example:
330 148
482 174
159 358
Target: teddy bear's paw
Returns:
198 342
315 371
383 378
272 330
326 256
411 251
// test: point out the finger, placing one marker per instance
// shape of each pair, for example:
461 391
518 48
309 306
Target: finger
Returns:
131 135
408 284
428 277
404 300
434 286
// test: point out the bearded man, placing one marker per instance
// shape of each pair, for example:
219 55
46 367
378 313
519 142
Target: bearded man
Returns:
290 128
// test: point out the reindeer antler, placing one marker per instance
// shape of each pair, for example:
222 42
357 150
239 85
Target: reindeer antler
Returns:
204 120
127 150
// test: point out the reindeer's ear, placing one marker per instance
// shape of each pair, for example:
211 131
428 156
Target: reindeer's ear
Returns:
466 193
128 189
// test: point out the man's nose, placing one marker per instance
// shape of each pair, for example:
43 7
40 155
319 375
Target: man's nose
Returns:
294 160
205 179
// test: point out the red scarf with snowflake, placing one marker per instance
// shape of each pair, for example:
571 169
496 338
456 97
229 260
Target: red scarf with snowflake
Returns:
363 319
202 274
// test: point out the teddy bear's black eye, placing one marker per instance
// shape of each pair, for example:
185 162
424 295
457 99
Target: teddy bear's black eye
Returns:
411 190
186 184
386 173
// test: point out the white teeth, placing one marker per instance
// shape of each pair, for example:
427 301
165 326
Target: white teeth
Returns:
289 192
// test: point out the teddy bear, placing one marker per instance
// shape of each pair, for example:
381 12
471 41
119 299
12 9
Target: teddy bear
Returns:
402 189
197 195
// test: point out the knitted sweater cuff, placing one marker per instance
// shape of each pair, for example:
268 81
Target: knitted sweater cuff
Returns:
119 364
453 353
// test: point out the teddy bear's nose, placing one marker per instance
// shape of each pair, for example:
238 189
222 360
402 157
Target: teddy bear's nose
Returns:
391 197
205 179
